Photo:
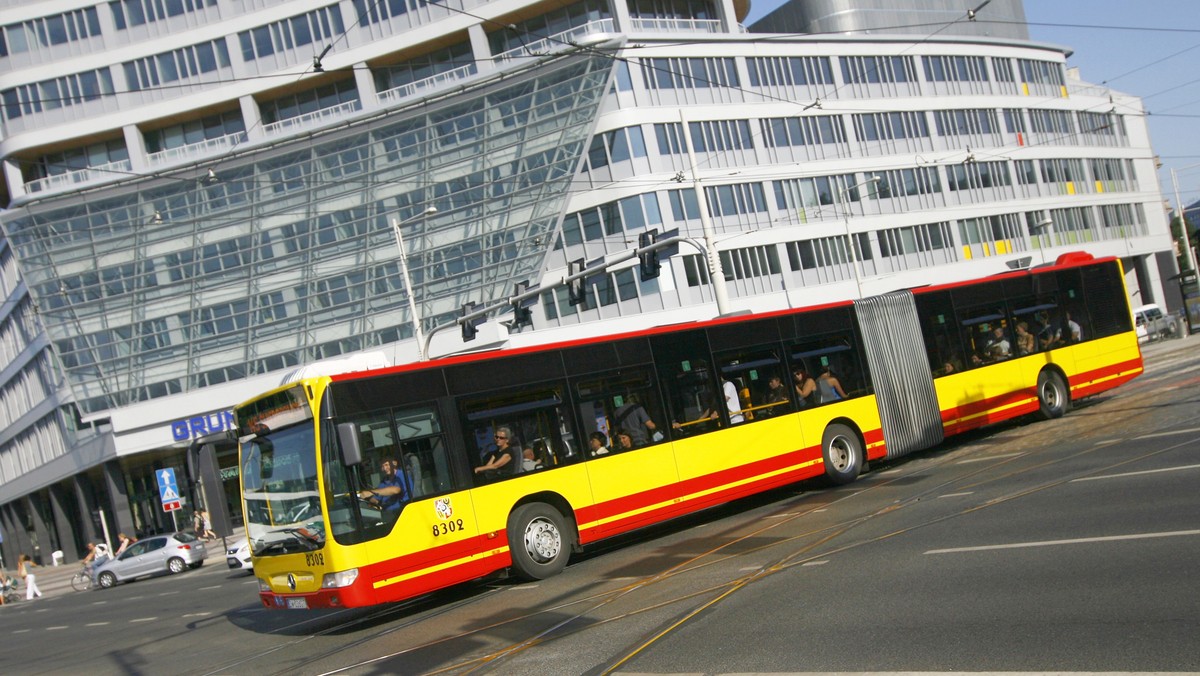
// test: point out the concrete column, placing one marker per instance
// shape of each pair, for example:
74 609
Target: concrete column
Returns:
41 544
16 182
251 117
621 21
135 145
364 80
86 500
64 522
120 518
16 540
480 49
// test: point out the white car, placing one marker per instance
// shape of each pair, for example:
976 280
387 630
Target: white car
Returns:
1151 324
238 555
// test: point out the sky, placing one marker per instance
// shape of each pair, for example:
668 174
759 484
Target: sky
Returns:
1148 48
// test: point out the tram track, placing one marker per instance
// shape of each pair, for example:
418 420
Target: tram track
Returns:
811 545
711 595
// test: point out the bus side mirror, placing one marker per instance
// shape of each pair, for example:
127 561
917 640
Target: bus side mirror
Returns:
348 440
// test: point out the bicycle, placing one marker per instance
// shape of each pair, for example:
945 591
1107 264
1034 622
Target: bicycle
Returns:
82 581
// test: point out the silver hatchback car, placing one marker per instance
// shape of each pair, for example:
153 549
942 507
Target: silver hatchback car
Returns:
153 555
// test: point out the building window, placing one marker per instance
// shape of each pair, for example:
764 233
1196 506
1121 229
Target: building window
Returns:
128 13
716 135
955 69
180 64
678 73
876 69
891 126
965 122
915 239
789 71
38 35
802 131
974 175
738 198
319 25
60 92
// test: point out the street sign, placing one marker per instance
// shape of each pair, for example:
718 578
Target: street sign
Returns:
168 490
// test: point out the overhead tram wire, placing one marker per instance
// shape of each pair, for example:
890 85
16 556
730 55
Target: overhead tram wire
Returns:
169 174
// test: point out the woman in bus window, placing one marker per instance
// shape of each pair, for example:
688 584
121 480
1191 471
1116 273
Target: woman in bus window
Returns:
828 386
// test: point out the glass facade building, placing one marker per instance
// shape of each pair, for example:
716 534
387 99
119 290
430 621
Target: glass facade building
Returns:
190 220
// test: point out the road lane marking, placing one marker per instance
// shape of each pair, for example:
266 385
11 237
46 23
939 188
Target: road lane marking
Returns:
197 615
815 563
96 624
167 593
957 495
143 619
20 631
1145 471
1076 541
215 586
58 628
999 456
1169 433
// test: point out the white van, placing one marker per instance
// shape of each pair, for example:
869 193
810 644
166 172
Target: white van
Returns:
1151 324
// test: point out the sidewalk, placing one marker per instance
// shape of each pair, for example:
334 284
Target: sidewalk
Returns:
55 581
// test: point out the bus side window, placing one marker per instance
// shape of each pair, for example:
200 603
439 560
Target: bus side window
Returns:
759 384
506 422
624 401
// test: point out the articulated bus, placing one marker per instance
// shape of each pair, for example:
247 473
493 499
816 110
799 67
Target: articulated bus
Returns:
515 459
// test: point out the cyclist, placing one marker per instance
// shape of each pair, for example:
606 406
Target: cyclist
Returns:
97 554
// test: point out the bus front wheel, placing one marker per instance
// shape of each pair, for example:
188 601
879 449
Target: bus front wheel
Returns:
537 541
843 454
1054 399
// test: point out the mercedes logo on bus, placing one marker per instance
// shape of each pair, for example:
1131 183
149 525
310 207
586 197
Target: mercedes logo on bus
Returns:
291 582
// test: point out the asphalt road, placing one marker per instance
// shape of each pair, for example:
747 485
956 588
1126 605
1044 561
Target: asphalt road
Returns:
1068 545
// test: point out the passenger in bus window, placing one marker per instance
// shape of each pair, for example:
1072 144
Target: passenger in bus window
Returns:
598 444
1073 329
1025 341
776 399
1050 336
732 402
631 417
804 385
624 442
997 346
529 462
501 456
828 386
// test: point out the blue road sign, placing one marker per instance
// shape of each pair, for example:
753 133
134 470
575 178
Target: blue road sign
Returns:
168 490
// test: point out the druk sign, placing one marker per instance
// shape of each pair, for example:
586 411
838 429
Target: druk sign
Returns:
200 425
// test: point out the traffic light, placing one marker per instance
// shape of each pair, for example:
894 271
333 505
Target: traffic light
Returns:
469 325
649 263
575 289
522 314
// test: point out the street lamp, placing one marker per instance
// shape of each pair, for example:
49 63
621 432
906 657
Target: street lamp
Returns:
849 236
715 272
1038 229
418 333
1187 240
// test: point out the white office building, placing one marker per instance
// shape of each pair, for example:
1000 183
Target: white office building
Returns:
202 196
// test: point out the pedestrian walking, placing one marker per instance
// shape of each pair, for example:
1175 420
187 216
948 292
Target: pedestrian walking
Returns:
25 566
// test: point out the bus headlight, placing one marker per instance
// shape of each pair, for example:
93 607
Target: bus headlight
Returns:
263 585
343 578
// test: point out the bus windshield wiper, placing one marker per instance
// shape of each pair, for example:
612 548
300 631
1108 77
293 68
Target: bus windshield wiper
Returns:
305 536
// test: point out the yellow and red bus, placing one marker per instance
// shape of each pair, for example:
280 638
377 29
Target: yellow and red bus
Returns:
613 433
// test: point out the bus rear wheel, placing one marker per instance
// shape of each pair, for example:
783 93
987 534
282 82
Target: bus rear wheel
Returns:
1054 399
843 454
537 541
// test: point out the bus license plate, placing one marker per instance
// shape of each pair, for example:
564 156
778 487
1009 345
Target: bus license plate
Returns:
298 604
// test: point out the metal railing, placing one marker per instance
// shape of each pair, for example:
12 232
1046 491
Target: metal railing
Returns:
313 119
428 84
71 179
558 42
181 154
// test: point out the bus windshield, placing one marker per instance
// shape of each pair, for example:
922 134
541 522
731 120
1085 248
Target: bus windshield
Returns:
279 483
